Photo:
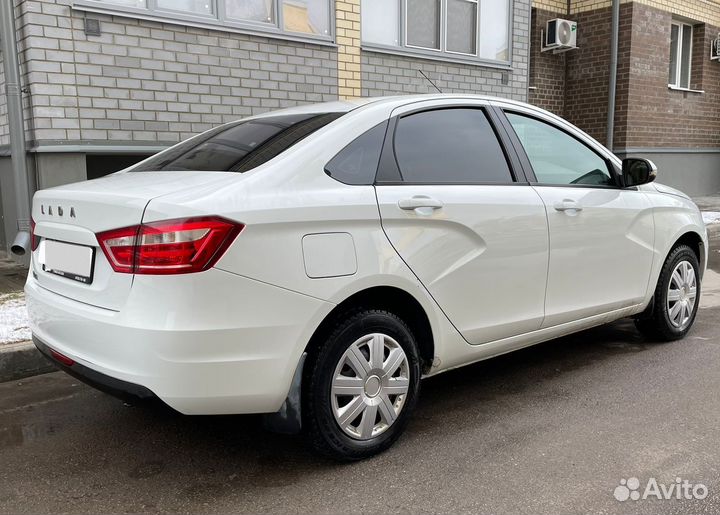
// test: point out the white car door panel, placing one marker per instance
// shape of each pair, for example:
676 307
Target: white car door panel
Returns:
472 236
601 235
482 255
601 250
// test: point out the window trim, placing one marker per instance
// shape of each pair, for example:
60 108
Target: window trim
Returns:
442 54
615 174
217 21
682 26
388 155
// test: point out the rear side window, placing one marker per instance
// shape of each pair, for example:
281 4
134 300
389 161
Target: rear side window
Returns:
240 146
450 146
357 163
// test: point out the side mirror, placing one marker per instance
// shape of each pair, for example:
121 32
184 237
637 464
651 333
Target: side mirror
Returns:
637 170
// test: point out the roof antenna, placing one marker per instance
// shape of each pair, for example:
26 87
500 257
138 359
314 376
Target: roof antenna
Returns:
428 79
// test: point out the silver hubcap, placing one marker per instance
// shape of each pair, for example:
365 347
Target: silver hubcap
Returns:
370 385
682 294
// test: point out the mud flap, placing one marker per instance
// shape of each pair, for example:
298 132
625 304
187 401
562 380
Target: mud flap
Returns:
288 419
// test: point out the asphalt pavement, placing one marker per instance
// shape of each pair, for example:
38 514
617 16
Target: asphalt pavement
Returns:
550 429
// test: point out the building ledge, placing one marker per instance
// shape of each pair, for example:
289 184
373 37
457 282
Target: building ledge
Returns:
437 56
92 147
667 150
96 6
686 90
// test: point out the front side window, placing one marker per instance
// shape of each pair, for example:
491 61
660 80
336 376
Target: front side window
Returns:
237 147
556 157
459 28
680 55
310 18
449 146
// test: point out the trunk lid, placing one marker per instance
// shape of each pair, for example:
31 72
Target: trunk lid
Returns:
75 213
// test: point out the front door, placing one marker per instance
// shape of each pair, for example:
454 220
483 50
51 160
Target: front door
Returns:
601 235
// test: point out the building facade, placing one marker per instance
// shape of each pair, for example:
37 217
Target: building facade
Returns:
667 101
108 82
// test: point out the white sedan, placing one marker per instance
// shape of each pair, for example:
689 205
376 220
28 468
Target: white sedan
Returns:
314 263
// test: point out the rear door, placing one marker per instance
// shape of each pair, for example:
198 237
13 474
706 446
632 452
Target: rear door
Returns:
601 235
472 232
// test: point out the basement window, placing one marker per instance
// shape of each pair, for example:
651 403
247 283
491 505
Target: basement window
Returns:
681 36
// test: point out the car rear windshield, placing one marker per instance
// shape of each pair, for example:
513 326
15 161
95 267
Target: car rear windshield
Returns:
240 146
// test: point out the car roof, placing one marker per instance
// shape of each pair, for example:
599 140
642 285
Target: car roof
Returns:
344 106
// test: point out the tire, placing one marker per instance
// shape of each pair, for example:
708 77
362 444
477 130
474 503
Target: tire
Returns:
667 322
348 404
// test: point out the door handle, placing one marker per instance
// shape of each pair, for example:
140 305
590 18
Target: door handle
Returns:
419 202
567 205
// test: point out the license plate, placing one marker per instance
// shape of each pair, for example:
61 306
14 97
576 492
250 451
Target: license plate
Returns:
67 260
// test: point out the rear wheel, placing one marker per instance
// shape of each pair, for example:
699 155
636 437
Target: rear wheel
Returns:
676 299
362 385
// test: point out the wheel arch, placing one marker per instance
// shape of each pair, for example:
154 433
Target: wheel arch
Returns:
389 298
687 236
693 240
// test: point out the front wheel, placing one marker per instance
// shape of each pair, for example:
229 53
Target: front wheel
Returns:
362 384
676 299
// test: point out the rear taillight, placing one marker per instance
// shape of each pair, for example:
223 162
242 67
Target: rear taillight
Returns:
170 247
34 240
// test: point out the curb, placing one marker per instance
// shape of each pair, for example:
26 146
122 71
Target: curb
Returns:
19 360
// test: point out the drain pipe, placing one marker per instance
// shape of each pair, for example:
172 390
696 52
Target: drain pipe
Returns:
614 36
16 125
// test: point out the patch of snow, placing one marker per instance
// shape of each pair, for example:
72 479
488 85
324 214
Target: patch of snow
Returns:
711 217
14 326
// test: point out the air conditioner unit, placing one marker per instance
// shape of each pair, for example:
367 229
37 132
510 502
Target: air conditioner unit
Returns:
560 35
715 49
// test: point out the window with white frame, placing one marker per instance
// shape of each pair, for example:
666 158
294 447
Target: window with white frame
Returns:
681 36
466 29
310 18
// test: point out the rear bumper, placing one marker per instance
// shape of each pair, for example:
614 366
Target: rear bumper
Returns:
206 343
102 382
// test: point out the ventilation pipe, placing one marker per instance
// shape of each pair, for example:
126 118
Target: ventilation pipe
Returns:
614 36
16 125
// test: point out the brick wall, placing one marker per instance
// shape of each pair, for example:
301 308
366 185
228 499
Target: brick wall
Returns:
547 70
647 112
391 74
144 81
588 72
657 115
705 11
347 14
